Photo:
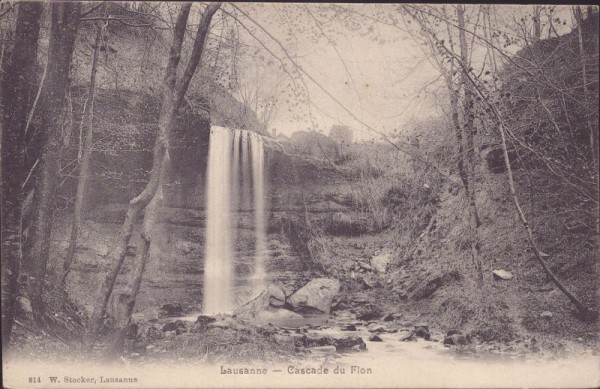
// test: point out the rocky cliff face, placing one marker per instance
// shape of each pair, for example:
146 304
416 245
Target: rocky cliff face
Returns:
300 188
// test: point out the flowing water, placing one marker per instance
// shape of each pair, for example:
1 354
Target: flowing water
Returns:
258 179
235 180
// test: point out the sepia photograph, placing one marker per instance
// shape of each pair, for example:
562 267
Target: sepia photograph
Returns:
299 195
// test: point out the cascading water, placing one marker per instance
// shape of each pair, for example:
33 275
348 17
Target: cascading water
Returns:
218 260
258 167
235 159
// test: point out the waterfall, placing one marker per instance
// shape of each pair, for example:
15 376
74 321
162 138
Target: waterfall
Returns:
236 161
218 260
256 145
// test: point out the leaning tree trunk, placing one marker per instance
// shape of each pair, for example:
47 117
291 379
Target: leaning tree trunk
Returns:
17 92
86 154
593 128
584 312
127 298
65 17
137 204
469 132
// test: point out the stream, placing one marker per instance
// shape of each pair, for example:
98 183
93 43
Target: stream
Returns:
421 363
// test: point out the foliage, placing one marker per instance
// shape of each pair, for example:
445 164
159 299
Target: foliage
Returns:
393 189
552 121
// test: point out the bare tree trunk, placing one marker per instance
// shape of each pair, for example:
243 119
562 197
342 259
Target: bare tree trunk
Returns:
593 129
584 312
137 204
469 130
17 92
126 300
65 17
86 148
584 74
458 134
190 70
537 22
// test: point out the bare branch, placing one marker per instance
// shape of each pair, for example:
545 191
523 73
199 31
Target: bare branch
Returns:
338 102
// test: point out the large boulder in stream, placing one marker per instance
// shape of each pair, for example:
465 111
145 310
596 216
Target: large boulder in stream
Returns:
315 297
272 296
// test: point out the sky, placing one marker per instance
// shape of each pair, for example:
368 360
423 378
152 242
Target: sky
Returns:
376 71
378 82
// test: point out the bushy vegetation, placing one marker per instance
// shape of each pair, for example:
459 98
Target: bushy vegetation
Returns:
393 188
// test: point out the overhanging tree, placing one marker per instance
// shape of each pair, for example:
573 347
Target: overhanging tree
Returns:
17 94
495 104
63 31
173 93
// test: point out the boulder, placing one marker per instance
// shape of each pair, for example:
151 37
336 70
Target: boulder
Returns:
369 281
368 312
422 331
407 336
276 296
456 338
546 315
341 344
349 327
178 326
312 341
375 338
501 274
390 317
315 297
365 265
374 327
202 323
380 262
350 343
340 306
273 295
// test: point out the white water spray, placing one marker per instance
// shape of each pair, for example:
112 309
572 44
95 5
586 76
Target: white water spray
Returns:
258 171
218 262
233 156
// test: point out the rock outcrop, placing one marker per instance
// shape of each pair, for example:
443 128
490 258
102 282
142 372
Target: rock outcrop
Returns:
380 262
272 296
315 297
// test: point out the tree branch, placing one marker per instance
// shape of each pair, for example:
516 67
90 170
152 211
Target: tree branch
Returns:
196 55
301 70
